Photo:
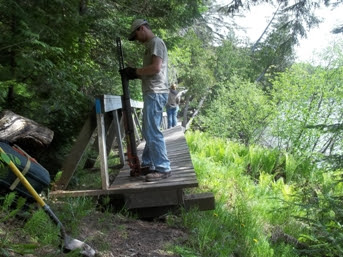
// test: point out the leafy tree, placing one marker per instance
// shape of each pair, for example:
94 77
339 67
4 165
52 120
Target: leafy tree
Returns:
233 61
273 51
41 53
193 61
56 56
241 111
309 101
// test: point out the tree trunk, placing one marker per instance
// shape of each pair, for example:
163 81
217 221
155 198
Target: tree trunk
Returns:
185 111
202 100
265 30
24 132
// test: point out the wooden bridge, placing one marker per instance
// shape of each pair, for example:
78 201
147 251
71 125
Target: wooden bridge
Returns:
146 198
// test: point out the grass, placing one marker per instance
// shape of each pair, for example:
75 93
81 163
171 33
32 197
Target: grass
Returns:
256 190
264 199
12 207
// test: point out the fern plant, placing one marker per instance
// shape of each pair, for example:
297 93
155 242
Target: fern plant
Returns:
11 206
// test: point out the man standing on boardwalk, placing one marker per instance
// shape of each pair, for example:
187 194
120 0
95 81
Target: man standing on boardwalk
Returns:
154 76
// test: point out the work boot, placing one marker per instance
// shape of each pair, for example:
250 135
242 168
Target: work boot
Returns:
156 176
146 170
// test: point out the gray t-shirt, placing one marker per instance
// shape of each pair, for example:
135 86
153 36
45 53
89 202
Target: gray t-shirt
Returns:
157 83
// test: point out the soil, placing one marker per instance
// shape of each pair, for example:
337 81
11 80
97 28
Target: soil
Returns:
132 237
112 235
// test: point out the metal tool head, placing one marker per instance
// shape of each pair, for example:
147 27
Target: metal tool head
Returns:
71 244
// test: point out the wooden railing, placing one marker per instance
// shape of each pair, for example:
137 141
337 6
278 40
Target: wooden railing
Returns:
105 120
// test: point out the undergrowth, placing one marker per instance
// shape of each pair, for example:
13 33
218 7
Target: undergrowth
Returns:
34 232
268 203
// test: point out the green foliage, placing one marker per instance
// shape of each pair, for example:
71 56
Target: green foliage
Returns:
9 201
41 228
192 63
233 62
11 206
256 215
244 204
321 201
57 56
7 248
239 111
73 210
308 103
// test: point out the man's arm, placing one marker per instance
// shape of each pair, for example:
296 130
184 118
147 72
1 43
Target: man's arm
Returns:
151 69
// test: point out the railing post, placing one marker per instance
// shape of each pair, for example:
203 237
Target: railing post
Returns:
102 143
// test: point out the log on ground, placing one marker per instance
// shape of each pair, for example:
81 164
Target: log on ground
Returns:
19 130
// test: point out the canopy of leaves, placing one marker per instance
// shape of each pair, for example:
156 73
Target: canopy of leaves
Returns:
56 56
240 112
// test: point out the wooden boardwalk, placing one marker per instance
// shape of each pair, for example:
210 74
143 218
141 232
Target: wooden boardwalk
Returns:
160 196
183 174
163 195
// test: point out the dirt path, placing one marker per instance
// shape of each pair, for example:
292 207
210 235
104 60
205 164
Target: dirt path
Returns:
120 237
111 235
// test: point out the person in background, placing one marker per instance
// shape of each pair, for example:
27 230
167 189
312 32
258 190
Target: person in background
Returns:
172 106
154 76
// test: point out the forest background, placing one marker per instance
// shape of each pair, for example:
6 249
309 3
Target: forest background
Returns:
56 56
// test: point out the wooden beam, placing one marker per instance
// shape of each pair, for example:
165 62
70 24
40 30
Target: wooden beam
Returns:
119 138
113 102
102 143
152 199
70 164
201 201
110 134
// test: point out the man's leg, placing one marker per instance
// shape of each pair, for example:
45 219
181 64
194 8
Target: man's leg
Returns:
169 117
155 152
146 161
174 116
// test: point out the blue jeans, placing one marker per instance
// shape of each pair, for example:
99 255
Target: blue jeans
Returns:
172 116
155 151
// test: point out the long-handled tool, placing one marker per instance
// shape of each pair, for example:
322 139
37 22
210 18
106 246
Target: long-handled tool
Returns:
132 156
70 244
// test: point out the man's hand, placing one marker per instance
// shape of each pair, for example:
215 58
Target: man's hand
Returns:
129 72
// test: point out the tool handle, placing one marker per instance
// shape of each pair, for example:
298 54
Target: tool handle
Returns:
55 219
32 191
21 177
133 159
120 53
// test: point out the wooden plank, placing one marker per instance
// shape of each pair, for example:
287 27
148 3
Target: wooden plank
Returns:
110 131
79 193
136 104
110 140
153 199
137 136
118 137
114 102
183 175
102 145
139 184
201 201
137 122
110 102
73 159
134 187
